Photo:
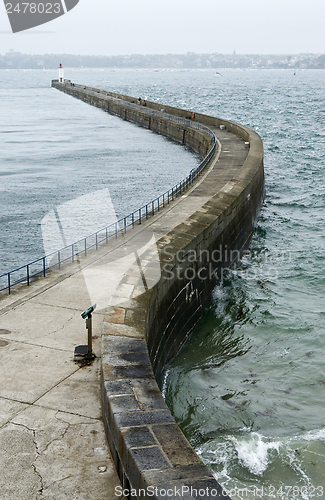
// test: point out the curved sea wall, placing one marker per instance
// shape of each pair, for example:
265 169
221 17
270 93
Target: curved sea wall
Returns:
197 238
127 109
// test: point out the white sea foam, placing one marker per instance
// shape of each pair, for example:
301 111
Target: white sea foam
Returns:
315 435
164 384
254 452
264 458
220 299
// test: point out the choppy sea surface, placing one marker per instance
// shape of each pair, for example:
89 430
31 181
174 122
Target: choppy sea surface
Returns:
56 149
248 388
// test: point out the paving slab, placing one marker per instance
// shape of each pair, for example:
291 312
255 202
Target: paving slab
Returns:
29 371
52 437
61 455
10 408
78 394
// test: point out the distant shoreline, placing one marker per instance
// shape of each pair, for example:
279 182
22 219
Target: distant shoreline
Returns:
17 60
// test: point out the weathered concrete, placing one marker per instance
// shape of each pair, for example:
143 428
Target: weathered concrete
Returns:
165 315
147 318
52 437
216 215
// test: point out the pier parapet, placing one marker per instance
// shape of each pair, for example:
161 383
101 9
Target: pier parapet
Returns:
198 237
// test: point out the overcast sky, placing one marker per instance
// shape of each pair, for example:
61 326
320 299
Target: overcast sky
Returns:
103 27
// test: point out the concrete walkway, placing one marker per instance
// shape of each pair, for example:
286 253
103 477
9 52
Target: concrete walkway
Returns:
52 439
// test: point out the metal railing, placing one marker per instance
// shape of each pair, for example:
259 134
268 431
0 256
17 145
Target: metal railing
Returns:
26 273
147 110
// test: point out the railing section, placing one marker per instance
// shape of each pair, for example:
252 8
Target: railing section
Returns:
37 268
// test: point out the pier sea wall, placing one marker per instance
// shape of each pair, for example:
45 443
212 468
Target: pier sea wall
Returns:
119 106
198 236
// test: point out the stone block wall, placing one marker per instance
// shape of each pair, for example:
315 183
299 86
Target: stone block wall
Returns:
143 331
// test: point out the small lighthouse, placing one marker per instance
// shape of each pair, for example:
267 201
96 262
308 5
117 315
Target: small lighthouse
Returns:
60 73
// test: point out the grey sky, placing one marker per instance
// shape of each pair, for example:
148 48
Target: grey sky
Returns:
175 26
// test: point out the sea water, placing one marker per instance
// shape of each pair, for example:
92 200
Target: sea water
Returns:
56 149
248 389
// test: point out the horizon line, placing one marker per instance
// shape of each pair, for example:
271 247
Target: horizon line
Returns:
169 54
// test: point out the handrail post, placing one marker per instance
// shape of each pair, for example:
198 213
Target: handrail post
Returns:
96 241
139 215
59 260
146 212
153 208
27 274
132 219
72 256
44 267
124 225
115 229
9 283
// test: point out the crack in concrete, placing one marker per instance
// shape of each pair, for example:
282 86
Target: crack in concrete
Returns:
61 435
43 488
58 481
34 464
61 328
38 453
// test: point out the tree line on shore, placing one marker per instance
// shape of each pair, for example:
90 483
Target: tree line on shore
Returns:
17 60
